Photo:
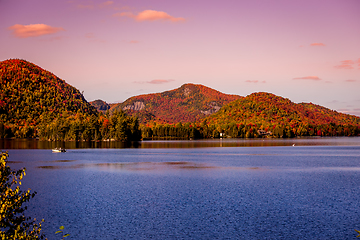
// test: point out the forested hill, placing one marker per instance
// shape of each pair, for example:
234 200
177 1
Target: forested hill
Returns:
29 92
36 103
189 103
100 105
267 111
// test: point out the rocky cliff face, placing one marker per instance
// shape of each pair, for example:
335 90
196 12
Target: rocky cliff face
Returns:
136 106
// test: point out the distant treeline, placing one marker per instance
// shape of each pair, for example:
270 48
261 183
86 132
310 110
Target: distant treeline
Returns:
233 130
121 127
78 127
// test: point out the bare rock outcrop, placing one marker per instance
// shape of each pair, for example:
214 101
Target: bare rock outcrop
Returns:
137 106
214 107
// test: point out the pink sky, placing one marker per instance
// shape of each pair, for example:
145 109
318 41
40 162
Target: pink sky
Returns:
307 51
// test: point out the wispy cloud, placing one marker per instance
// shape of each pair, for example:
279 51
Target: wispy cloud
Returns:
344 110
106 4
156 81
317 45
314 78
346 64
134 41
83 6
33 30
150 15
160 81
255 81
351 80
90 35
93 38
124 14
355 111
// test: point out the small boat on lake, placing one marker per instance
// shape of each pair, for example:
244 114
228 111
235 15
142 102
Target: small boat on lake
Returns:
58 150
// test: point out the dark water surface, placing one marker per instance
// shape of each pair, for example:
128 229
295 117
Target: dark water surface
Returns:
246 189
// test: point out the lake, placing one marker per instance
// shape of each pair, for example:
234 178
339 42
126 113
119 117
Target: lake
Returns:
206 189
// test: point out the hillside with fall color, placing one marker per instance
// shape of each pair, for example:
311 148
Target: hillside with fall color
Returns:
100 105
266 107
36 103
28 92
270 113
189 103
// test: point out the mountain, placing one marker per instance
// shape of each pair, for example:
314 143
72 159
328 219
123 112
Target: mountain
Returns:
36 103
189 103
29 92
268 111
100 105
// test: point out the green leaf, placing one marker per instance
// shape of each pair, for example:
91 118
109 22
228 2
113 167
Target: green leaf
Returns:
58 232
61 227
66 235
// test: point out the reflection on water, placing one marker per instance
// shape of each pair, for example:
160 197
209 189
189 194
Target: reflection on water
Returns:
268 142
169 166
37 144
64 161
147 166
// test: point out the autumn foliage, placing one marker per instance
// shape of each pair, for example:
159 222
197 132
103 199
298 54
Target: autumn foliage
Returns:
13 222
282 117
29 92
100 105
189 103
257 115
36 103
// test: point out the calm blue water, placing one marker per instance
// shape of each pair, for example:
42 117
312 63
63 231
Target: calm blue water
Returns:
310 191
